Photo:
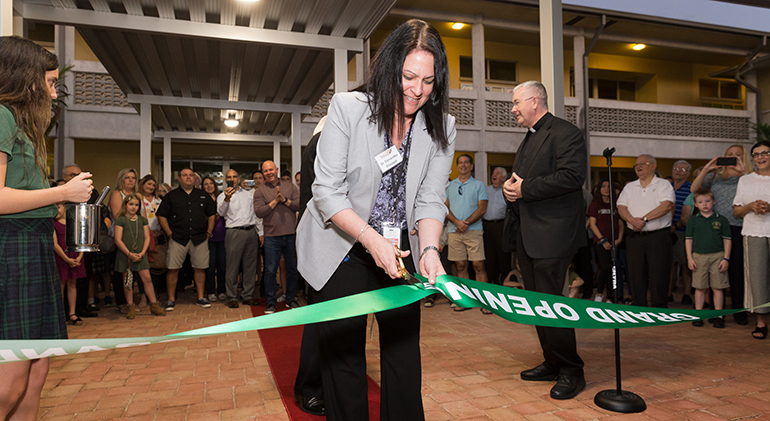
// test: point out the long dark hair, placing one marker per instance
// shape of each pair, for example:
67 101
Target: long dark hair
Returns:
597 192
24 90
384 80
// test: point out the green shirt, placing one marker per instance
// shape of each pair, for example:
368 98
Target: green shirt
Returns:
22 172
707 234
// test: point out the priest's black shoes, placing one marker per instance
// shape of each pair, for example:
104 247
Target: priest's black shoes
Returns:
312 405
540 373
567 386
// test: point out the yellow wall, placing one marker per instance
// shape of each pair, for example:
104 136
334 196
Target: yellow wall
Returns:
82 50
104 159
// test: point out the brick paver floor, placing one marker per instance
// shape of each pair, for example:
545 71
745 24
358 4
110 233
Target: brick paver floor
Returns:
471 365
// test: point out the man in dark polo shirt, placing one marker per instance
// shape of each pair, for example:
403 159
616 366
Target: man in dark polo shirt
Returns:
277 202
187 216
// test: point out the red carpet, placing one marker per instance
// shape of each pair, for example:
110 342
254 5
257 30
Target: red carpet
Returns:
282 347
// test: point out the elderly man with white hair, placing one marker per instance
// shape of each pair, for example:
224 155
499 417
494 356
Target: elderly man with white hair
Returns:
645 205
498 262
680 172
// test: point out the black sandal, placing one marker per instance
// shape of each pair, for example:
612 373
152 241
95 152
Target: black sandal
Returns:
77 321
762 332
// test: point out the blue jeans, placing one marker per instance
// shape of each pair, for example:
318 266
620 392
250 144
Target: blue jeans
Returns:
216 263
274 248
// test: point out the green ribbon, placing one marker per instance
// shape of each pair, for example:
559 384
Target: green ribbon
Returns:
520 306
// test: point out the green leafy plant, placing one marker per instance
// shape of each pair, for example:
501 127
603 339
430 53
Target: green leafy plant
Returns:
762 130
58 104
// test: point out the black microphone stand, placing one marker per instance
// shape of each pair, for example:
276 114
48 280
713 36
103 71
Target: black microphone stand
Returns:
616 400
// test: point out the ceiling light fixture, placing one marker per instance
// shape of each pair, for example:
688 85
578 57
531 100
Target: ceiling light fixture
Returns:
639 47
458 25
231 121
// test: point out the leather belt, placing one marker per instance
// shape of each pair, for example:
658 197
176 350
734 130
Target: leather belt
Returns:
248 228
493 221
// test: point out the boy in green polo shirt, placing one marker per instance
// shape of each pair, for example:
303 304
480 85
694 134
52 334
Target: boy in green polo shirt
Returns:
707 242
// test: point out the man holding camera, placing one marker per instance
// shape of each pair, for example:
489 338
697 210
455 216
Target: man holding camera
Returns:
241 239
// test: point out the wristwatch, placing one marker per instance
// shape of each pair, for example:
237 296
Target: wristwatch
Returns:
644 218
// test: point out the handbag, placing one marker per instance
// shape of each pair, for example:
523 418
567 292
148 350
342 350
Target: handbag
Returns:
106 243
157 252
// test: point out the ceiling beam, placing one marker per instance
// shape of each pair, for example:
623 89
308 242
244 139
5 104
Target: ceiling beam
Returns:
120 22
568 31
219 137
219 104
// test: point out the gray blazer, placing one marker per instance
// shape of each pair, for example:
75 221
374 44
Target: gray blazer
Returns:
347 176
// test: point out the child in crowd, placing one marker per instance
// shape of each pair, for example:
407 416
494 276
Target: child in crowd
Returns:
707 243
132 238
574 281
69 264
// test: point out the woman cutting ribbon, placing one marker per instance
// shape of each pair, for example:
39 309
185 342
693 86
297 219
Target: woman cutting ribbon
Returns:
382 168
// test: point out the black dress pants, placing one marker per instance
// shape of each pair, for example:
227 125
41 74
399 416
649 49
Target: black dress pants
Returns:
342 346
309 382
498 262
548 276
649 256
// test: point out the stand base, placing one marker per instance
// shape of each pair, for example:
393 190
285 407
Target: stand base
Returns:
625 402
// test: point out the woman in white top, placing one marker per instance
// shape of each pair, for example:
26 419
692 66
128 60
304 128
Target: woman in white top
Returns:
751 204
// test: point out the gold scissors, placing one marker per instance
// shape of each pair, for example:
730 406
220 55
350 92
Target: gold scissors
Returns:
402 272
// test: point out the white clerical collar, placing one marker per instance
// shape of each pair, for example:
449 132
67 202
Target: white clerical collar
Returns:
532 129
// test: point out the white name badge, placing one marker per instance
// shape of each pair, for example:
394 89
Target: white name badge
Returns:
388 159
392 233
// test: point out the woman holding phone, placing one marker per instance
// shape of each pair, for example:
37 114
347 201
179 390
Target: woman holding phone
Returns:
723 182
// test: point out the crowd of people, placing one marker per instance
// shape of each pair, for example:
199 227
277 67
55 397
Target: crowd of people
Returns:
365 215
222 241
667 232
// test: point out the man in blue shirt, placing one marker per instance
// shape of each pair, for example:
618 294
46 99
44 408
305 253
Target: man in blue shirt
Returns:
467 203
498 262
680 172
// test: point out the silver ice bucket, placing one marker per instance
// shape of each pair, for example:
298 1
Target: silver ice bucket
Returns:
82 227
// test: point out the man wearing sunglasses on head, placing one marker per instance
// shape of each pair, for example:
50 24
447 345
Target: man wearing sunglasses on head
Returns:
467 202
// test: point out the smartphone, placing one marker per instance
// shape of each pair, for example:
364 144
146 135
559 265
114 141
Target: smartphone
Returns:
248 184
723 161
230 183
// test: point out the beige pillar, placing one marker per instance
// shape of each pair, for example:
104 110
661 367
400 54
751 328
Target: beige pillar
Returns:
552 54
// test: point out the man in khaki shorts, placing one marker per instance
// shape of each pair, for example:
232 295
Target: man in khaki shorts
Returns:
467 202
187 215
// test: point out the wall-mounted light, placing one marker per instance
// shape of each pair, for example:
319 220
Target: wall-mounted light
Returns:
639 47
458 25
231 121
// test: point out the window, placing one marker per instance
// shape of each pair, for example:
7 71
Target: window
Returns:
494 70
718 93
612 89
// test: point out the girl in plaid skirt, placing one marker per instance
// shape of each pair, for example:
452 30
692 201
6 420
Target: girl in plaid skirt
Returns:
32 306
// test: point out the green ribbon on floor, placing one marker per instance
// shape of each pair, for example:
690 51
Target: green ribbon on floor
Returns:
525 307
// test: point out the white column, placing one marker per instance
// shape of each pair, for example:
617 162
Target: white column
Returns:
579 48
64 145
478 58
20 26
751 97
480 164
145 139
6 18
296 143
167 159
340 70
552 54
277 155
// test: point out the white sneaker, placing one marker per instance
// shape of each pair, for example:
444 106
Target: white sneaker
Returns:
599 298
222 297
212 298
281 299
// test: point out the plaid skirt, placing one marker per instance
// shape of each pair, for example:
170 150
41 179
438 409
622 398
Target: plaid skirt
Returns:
31 306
